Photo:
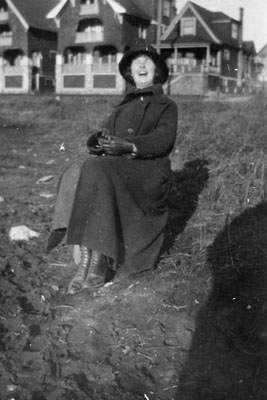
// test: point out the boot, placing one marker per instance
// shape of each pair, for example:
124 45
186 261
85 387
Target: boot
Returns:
76 284
55 237
96 271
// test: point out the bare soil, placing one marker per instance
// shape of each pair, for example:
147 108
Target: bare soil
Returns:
192 329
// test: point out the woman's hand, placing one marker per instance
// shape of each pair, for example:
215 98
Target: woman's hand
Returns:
92 143
115 146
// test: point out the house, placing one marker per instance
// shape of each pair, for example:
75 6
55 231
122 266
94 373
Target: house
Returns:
167 14
28 45
206 52
261 66
94 34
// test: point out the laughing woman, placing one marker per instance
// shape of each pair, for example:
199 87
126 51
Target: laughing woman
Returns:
119 212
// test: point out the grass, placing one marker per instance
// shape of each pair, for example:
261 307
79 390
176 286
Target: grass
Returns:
230 136
225 140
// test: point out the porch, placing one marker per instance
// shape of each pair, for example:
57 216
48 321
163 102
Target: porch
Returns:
15 79
87 75
197 59
193 69
193 66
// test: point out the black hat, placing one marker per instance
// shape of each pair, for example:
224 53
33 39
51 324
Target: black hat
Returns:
152 53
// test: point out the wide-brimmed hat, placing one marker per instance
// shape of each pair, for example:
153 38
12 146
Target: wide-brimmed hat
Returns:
152 53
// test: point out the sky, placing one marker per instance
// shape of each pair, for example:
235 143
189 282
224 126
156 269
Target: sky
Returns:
255 16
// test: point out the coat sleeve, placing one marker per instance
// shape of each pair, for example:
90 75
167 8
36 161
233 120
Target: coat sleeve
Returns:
159 142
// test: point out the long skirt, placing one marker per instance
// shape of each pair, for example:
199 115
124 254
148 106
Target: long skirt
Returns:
116 206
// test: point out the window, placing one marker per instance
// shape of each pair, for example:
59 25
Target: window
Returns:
188 26
234 31
226 54
162 29
142 32
52 54
88 2
166 8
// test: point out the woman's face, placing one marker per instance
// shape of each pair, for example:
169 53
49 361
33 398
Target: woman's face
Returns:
143 71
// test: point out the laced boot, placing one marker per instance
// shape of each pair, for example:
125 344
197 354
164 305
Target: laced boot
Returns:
76 284
96 271
55 237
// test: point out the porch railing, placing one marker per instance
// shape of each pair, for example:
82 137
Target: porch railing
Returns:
88 37
104 68
89 77
193 66
73 68
15 78
3 16
6 40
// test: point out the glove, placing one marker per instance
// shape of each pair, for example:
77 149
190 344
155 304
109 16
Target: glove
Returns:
116 146
93 145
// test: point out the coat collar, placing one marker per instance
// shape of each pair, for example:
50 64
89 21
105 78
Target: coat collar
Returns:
155 90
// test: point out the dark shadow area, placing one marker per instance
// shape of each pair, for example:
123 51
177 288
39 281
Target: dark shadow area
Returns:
187 184
228 354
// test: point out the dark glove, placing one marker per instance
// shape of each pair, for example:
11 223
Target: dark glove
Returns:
116 146
93 145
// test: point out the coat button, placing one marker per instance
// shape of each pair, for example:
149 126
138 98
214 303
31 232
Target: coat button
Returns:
130 130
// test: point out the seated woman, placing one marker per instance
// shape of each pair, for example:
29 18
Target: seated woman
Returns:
119 209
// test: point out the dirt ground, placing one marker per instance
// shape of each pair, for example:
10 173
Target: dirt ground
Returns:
174 333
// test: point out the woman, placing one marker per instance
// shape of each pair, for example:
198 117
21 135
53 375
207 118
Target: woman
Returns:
119 211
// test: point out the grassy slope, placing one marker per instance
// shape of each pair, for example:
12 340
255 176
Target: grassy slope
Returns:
230 136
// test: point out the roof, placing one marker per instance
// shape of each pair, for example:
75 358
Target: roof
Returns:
118 6
263 51
210 20
249 47
32 13
132 8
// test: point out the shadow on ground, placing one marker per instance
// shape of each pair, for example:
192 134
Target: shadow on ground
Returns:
187 184
228 355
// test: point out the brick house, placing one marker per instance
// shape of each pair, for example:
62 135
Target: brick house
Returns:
28 44
206 52
94 34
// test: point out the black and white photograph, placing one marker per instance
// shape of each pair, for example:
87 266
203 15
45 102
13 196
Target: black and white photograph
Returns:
133 200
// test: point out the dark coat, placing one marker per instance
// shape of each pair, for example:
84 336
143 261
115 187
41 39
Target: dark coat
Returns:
120 203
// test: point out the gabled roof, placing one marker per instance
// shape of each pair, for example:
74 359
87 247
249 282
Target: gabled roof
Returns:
263 51
119 7
249 47
32 13
209 20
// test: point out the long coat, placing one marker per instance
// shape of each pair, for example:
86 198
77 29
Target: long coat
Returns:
119 204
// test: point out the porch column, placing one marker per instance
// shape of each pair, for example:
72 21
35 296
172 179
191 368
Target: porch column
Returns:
2 84
120 82
89 81
27 74
175 59
119 57
59 74
208 56
219 61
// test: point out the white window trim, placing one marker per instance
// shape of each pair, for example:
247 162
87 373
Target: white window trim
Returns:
166 8
234 31
183 20
226 54
142 32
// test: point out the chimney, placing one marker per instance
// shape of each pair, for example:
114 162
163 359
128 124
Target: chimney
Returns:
241 20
